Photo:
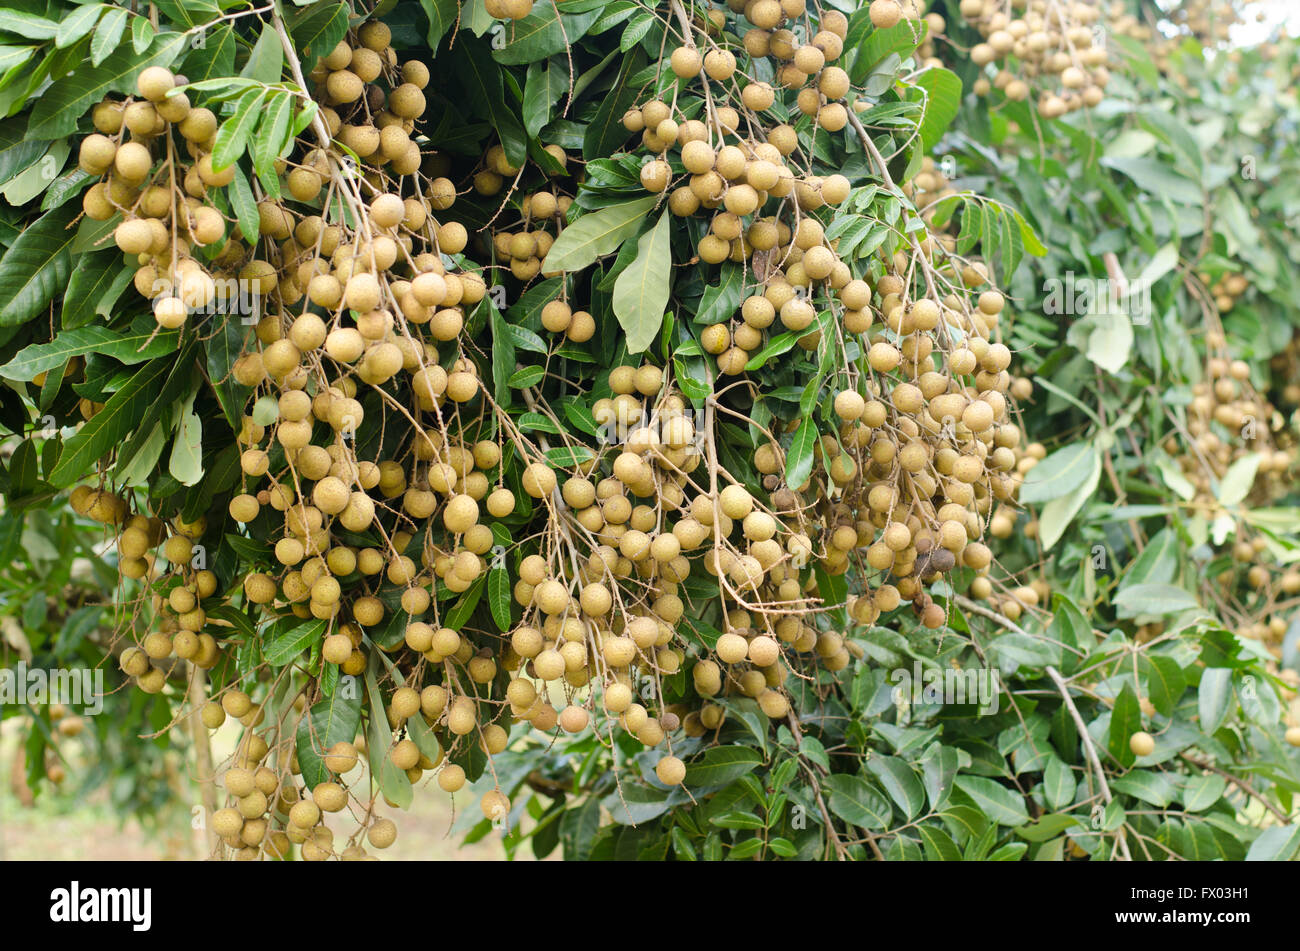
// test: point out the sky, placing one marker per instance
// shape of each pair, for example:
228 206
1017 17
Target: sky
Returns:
1286 12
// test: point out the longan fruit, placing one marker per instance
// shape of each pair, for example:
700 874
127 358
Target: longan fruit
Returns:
155 82
1142 743
655 176
686 62
719 64
671 771
451 778
382 834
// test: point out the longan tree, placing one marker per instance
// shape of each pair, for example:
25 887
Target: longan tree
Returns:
597 404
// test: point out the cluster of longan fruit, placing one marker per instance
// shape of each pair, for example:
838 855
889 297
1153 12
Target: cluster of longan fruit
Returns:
177 622
1285 367
1210 22
734 160
375 123
523 246
610 621
1226 420
363 332
68 725
1226 289
269 813
1053 45
928 186
923 453
165 214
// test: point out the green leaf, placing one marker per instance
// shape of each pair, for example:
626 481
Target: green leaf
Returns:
1237 481
77 24
142 34
1110 341
854 800
902 38
423 737
641 291
597 234
334 719
526 377
186 462
36 179
605 131
215 58
543 87
234 133
1057 514
636 30
799 460
110 425
107 35
1158 599
578 829
1151 786
1155 177
244 205
542 33
179 386
1201 792
1125 720
442 16
237 619
189 12
61 105
1059 474
1213 697
1000 804
223 349
1048 827
720 301
393 782
27 25
487 95
317 29
942 100
126 347
272 139
266 61
899 781
98 280
938 845
1165 681
464 607
720 766
36 267
503 354
499 597
1011 852
287 646
1058 784
781 343
18 150
1275 844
